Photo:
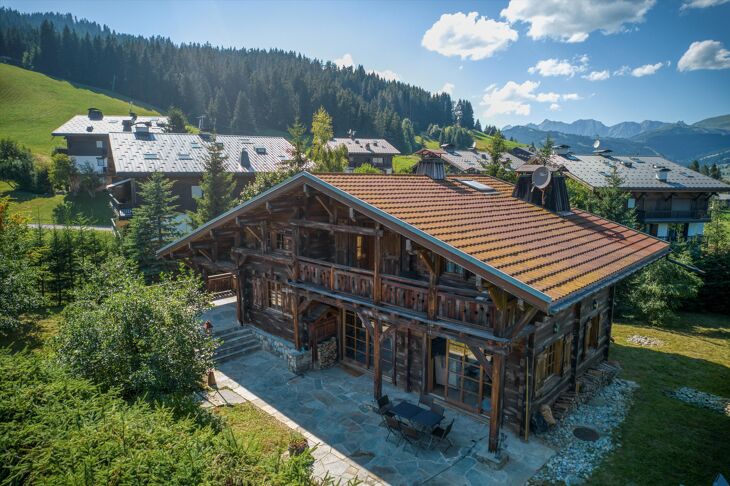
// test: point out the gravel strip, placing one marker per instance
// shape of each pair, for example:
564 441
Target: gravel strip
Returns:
577 459
702 399
644 341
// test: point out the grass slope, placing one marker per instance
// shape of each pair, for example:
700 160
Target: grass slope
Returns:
33 105
663 440
39 208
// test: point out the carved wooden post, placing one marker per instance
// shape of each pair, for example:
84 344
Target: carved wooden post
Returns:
500 299
295 318
378 385
239 296
376 267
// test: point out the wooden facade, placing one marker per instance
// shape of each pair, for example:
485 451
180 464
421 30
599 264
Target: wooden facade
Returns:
310 266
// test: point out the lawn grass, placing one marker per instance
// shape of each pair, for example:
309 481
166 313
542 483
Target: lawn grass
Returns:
404 163
663 440
40 208
33 105
257 427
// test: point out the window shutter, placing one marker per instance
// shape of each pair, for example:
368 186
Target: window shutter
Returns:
558 358
540 371
567 351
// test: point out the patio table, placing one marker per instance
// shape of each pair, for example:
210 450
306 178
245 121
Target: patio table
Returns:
427 419
407 410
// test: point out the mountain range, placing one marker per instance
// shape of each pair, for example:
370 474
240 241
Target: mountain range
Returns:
708 140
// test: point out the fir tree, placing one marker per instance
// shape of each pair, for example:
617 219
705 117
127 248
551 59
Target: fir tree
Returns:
298 139
497 148
177 123
217 185
694 165
478 126
409 137
611 202
243 121
715 172
546 151
704 170
153 225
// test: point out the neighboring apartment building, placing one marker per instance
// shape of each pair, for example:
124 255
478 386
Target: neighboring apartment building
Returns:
181 157
377 152
450 286
469 161
87 136
670 199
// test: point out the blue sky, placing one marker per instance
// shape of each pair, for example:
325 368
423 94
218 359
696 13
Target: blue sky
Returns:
648 59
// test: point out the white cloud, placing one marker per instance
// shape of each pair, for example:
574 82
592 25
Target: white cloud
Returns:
559 67
554 107
622 71
709 54
597 75
468 36
345 61
648 69
447 88
702 3
387 75
514 98
574 20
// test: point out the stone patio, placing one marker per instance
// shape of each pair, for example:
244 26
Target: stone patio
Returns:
333 409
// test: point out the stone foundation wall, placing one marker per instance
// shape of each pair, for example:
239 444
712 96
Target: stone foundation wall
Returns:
297 361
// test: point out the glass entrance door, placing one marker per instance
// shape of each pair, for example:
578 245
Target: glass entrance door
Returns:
463 382
358 346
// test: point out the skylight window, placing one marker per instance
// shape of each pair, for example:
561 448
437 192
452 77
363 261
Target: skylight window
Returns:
260 150
151 156
184 156
478 186
196 145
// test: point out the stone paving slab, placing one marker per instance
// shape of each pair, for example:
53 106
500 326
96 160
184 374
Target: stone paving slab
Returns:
334 410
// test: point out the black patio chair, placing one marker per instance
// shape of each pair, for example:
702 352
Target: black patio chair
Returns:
385 407
412 436
395 427
425 400
442 434
437 409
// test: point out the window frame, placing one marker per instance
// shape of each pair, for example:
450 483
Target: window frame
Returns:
274 296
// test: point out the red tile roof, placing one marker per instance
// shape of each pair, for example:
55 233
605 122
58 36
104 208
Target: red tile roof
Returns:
556 255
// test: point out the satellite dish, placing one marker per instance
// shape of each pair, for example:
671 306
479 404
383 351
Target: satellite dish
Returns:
541 178
597 143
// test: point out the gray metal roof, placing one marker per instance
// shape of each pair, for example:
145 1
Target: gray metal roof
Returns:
79 124
374 146
472 161
637 173
184 153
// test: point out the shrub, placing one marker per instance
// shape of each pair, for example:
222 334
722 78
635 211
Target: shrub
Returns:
59 429
141 339
367 169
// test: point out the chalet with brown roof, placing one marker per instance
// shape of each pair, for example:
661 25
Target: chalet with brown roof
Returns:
450 285
377 152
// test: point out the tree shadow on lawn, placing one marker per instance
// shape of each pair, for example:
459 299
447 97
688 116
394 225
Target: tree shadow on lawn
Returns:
34 332
83 208
697 325
664 440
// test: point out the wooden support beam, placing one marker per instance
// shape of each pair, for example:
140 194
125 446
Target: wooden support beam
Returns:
351 213
326 208
498 296
207 255
253 233
481 356
424 364
295 319
524 320
378 257
342 228
365 320
239 296
495 418
303 304
378 371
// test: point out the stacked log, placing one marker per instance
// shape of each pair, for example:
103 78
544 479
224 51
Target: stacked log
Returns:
327 353
587 386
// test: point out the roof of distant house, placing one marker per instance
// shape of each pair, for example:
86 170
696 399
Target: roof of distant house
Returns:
183 153
373 146
473 160
551 259
522 153
83 125
637 173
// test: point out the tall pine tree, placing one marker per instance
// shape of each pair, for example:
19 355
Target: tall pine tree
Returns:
217 185
244 120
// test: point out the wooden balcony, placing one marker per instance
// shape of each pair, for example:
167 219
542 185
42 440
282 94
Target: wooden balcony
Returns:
464 306
695 215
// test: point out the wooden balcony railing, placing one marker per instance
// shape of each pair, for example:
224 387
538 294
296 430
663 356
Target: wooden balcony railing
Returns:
695 214
222 285
400 292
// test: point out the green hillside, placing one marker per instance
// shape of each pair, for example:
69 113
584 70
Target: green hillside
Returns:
33 105
718 122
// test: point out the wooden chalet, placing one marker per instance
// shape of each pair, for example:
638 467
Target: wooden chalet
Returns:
444 285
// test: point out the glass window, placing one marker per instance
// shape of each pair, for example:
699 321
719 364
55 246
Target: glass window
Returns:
276 296
100 144
196 192
377 161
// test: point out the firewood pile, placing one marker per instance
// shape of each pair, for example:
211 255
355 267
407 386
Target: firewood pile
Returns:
587 385
327 353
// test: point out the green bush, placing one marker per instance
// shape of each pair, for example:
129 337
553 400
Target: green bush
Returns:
141 339
59 429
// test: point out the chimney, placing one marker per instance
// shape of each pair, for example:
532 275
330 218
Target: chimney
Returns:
431 165
661 173
245 161
95 114
540 186
126 125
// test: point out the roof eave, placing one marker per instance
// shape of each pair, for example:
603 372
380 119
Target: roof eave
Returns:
576 297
